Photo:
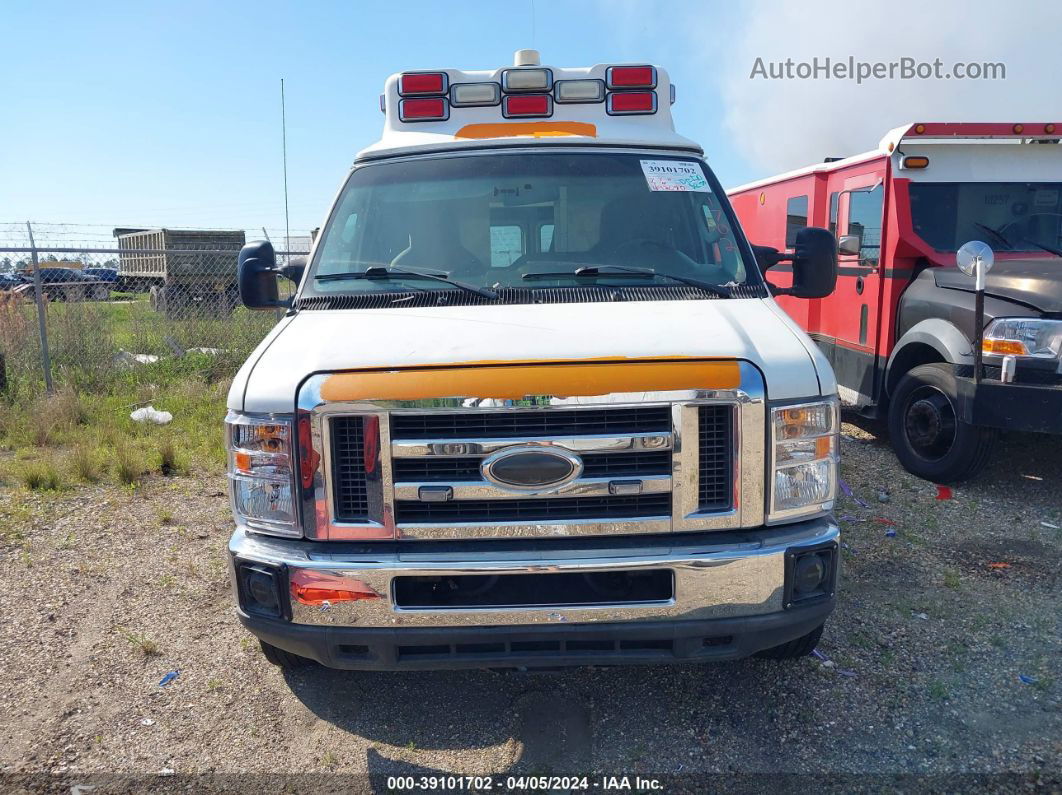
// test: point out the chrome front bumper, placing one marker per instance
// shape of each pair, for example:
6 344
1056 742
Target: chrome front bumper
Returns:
717 575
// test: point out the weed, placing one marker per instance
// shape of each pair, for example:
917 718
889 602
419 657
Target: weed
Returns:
951 579
170 461
213 684
329 759
69 541
130 465
938 690
144 644
165 515
86 464
40 476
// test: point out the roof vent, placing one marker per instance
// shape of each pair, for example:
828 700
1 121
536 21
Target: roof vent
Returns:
526 58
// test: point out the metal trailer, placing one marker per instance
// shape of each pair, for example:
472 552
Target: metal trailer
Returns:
186 271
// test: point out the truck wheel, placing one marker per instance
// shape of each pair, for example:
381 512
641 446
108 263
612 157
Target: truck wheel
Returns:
924 426
281 658
794 649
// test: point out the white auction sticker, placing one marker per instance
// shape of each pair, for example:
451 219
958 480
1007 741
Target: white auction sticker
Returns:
681 175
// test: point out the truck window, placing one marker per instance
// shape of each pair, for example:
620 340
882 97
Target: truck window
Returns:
472 217
834 204
796 218
864 221
1014 216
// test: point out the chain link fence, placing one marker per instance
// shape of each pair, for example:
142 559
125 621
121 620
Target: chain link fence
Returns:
151 305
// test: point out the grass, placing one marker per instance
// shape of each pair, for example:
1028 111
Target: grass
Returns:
141 643
40 475
85 425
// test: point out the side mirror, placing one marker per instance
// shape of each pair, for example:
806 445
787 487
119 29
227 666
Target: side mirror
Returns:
848 244
814 259
814 263
257 273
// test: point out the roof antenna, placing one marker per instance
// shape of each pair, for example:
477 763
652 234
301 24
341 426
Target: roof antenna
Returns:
533 42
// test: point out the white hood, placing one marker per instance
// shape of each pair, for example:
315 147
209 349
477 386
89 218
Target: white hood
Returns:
755 330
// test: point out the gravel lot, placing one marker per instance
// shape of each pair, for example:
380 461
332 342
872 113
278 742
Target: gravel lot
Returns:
942 659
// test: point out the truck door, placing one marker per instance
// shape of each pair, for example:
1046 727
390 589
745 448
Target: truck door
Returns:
848 320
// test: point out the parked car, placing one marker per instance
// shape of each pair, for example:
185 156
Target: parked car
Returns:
108 275
66 284
9 281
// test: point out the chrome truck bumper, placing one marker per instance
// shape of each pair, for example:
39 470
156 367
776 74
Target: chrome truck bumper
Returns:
718 595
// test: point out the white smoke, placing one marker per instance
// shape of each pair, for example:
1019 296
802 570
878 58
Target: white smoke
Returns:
784 124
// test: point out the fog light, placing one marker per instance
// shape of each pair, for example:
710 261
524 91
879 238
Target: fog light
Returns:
808 574
259 590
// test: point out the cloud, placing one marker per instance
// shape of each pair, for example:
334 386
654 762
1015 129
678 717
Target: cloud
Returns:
783 124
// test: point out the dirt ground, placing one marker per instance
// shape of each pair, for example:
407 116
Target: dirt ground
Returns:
942 660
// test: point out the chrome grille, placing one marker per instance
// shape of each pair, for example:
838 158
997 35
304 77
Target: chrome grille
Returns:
715 469
520 422
351 491
549 509
646 462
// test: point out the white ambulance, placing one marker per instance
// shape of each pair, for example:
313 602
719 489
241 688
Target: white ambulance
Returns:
532 404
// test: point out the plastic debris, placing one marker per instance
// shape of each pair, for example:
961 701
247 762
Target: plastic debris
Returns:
846 673
168 678
818 655
166 771
999 565
848 493
944 492
921 616
883 496
147 722
1027 680
1049 525
151 414
890 533
127 359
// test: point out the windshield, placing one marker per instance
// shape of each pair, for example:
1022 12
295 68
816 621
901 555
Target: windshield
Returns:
1009 216
493 220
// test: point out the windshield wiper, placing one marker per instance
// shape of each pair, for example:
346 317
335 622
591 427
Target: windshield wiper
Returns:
995 233
1049 249
385 274
592 271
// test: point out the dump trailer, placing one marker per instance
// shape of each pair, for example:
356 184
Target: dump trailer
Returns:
166 263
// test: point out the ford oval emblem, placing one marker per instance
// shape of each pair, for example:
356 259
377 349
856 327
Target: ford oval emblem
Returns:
532 468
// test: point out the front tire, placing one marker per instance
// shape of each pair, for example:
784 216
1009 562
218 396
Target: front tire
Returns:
283 659
794 649
924 426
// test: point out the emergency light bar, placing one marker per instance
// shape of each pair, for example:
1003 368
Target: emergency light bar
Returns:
526 91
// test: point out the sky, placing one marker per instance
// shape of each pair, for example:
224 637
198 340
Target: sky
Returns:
168 114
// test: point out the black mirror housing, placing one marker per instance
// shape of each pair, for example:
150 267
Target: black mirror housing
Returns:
257 273
295 268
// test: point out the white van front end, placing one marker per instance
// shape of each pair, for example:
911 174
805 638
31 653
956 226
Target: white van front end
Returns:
532 404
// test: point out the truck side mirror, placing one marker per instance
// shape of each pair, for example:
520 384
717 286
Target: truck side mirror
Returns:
257 273
814 259
814 263
848 244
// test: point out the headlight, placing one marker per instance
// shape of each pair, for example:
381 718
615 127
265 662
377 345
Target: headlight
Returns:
804 480
260 475
1021 336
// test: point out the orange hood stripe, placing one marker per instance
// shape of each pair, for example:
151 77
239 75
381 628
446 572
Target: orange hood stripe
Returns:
511 382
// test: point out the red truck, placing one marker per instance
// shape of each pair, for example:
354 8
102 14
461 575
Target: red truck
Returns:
902 327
